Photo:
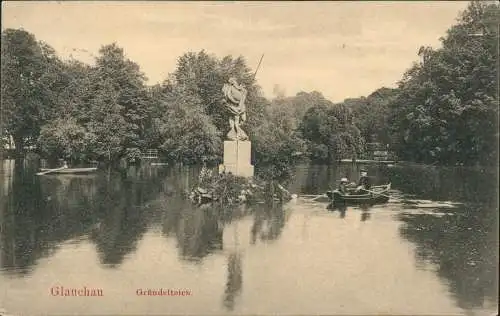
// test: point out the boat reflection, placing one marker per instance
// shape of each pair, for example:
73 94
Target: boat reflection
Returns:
365 213
342 209
40 216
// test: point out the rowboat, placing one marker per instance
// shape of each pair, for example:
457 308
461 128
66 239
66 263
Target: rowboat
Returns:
377 195
69 170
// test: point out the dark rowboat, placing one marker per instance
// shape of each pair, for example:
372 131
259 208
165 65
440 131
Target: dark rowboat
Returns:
71 170
378 195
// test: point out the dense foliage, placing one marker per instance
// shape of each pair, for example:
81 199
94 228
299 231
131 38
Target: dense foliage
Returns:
29 81
444 110
371 114
330 133
185 131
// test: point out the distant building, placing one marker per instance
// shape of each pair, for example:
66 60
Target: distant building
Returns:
378 151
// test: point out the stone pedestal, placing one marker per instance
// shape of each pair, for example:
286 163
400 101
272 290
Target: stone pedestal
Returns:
237 158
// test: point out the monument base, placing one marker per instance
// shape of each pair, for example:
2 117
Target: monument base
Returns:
237 158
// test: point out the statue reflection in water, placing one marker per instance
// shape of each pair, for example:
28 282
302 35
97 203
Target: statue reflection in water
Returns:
234 283
234 279
269 221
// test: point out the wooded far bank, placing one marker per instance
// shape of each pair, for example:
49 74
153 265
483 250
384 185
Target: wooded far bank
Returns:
443 111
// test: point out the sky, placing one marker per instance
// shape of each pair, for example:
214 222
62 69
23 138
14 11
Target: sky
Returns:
341 49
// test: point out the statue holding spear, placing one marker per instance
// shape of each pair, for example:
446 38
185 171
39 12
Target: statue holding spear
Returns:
235 96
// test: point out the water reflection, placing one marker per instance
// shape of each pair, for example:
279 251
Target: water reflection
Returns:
199 232
114 211
122 222
463 246
459 184
269 221
365 213
342 209
40 213
234 283
35 220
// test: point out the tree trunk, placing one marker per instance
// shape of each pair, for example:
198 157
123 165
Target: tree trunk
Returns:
19 144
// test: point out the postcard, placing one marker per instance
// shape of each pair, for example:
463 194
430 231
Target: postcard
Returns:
249 158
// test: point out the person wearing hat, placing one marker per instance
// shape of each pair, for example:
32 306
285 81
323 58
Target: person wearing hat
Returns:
364 182
343 185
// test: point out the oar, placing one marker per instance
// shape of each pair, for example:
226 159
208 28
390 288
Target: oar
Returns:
313 197
319 196
51 170
391 197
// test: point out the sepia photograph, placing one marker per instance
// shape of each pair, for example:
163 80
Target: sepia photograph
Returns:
249 158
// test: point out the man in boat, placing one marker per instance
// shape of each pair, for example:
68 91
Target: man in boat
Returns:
364 183
343 185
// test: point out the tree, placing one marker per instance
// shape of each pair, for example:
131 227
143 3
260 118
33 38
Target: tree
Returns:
203 75
157 106
331 135
294 108
125 78
75 100
447 107
277 149
107 127
64 138
371 114
30 72
187 134
89 107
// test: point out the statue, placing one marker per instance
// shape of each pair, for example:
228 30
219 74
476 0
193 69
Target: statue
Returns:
235 96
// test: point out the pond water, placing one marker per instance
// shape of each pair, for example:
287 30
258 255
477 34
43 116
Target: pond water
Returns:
433 249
